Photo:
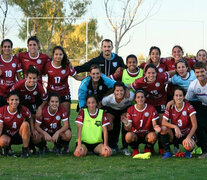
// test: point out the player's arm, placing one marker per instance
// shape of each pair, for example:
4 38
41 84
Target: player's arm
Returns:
61 130
156 127
78 78
172 72
1 127
105 135
194 125
79 126
39 109
41 131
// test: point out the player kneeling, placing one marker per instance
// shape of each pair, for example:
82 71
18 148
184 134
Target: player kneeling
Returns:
141 124
182 127
14 126
91 123
49 125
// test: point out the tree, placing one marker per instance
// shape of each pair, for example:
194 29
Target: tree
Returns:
126 19
4 9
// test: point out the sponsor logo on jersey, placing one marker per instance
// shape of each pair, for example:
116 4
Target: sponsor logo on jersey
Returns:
114 64
160 70
39 61
100 87
14 65
7 117
184 113
26 59
63 71
146 114
57 117
46 119
19 116
35 93
157 84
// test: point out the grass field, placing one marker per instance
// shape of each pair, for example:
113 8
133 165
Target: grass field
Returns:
117 166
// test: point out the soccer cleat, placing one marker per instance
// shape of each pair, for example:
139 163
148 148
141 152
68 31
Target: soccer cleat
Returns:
59 152
161 151
180 154
202 156
5 151
188 154
125 151
135 151
25 152
167 155
42 151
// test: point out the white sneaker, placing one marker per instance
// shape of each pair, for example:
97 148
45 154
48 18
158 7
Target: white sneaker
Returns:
126 152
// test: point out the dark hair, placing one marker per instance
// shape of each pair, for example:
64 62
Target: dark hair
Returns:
15 92
140 90
182 61
33 38
200 51
32 70
179 88
51 94
6 40
150 66
199 65
107 40
65 60
95 66
92 96
179 47
153 48
131 56
119 84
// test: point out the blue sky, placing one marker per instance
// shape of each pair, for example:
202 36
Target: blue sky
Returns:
182 22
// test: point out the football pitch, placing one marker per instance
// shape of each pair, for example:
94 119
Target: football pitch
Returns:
117 166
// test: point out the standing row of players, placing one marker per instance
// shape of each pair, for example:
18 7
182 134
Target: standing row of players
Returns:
115 104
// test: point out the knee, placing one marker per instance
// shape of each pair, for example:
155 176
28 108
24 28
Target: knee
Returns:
25 127
129 137
4 142
151 137
68 135
164 130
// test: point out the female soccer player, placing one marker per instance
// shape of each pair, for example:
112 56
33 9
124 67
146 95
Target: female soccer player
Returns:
116 104
92 123
140 123
183 124
10 69
96 83
49 125
155 59
14 126
202 56
33 57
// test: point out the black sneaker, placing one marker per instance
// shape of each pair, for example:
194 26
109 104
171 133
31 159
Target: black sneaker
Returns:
42 151
5 151
59 152
25 152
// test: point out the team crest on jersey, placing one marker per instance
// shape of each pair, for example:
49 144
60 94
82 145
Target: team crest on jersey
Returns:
14 65
63 71
57 118
39 61
100 87
19 116
115 64
198 90
98 123
35 93
157 84
160 70
146 114
184 113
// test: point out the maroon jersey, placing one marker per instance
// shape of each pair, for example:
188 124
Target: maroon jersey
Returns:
58 78
13 121
161 66
52 122
29 95
181 118
156 94
142 119
80 117
8 76
38 62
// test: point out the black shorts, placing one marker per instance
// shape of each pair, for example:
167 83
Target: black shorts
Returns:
91 147
65 98
33 106
160 109
180 140
115 112
2 101
15 139
141 139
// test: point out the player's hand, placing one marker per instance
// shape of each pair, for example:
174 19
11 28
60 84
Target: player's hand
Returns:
188 142
47 137
39 113
34 133
119 70
55 136
127 93
106 150
157 128
170 104
124 118
178 133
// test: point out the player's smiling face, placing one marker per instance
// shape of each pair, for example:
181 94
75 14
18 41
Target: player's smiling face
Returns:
140 98
177 53
155 56
178 96
106 48
6 48
201 56
33 47
91 104
54 103
200 74
95 75
31 80
182 69
13 102
151 74
132 64
58 55
119 93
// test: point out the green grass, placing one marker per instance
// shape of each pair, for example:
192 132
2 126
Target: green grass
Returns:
94 167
